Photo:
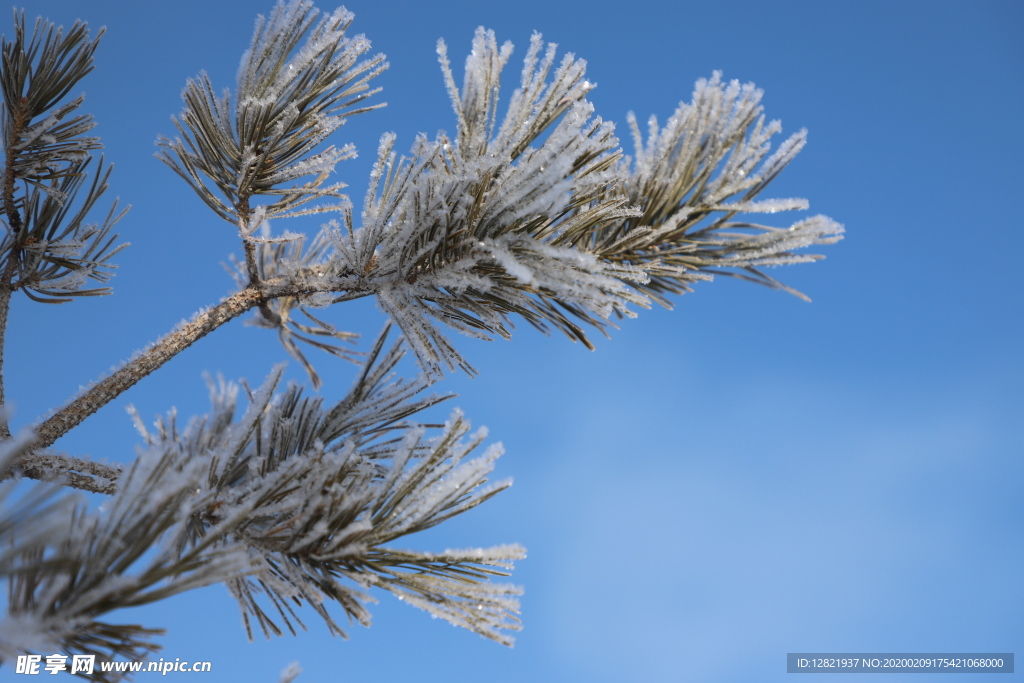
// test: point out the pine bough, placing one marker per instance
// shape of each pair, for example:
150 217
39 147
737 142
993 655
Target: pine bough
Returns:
532 210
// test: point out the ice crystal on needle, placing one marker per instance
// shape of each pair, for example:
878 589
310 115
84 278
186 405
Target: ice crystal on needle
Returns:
529 210
541 216
315 494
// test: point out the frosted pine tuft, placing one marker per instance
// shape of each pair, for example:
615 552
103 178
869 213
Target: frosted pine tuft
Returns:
294 502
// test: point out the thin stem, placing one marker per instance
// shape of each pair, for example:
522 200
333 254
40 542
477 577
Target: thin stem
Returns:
252 268
70 471
244 214
66 469
13 136
106 390
5 306
6 290
130 373
15 225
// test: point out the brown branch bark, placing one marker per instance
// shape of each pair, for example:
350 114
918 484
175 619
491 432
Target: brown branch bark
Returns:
70 471
252 268
106 390
14 224
89 476
5 307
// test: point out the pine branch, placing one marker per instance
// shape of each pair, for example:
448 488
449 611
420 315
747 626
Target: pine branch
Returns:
314 494
541 217
70 471
534 213
68 566
47 250
297 84
187 333
106 390
278 260
289 99
693 180
5 307
473 232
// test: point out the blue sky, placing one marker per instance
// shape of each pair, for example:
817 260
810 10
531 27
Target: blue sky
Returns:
715 486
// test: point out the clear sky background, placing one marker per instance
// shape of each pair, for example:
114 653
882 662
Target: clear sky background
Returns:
745 476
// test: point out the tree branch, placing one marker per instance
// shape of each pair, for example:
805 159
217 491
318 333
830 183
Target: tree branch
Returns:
70 471
66 469
14 225
251 266
106 390
5 306
204 322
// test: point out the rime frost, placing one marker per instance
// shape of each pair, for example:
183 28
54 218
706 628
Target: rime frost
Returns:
530 209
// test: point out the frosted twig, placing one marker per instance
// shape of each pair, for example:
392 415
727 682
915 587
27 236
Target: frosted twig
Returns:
70 471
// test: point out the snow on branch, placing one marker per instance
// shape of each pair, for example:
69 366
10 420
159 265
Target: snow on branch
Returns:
314 494
692 180
532 212
58 251
541 216
461 231
279 259
298 82
47 249
529 210
291 502
68 566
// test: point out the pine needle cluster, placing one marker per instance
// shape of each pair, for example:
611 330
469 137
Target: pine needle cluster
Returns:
531 210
